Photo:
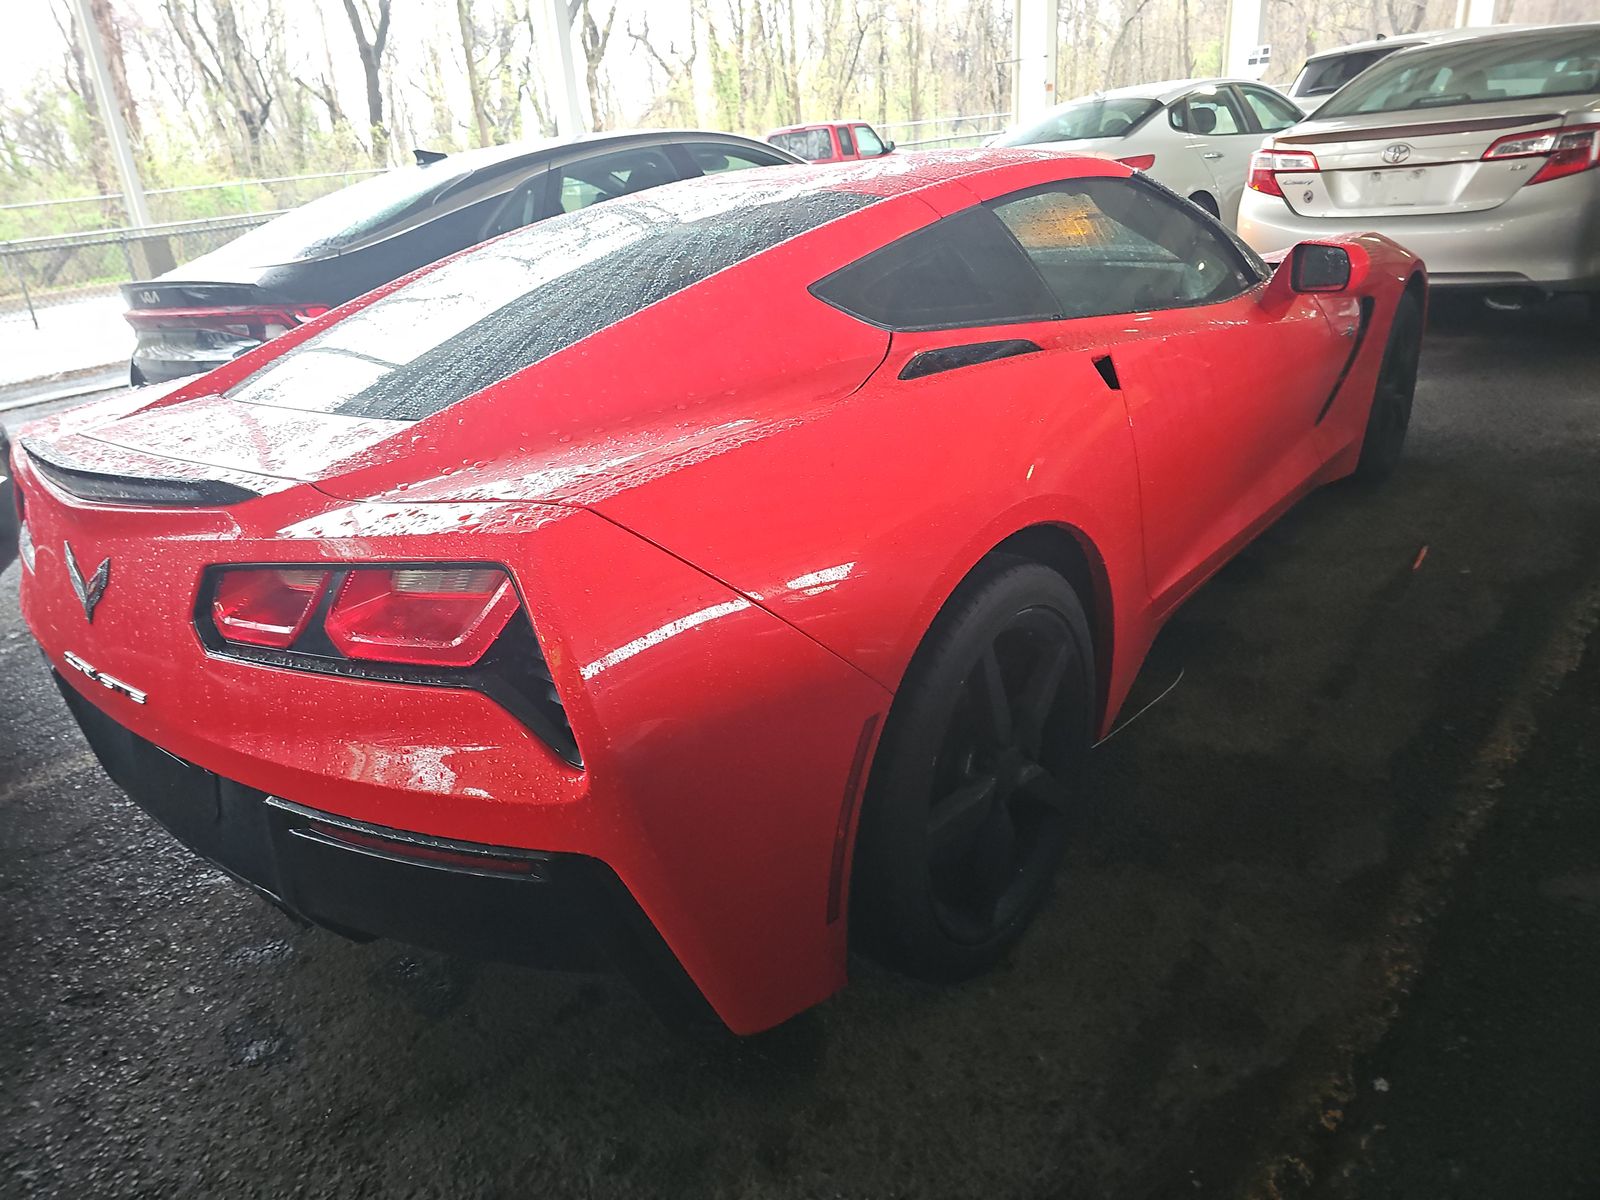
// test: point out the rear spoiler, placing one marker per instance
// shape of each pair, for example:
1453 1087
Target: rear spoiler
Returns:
131 489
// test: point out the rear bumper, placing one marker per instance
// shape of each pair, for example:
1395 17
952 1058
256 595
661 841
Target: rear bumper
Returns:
160 368
1546 237
562 911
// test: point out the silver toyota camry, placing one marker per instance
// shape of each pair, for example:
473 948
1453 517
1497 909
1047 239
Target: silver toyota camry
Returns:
1479 155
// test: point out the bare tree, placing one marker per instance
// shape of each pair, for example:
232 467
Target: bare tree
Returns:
116 65
370 46
675 102
240 74
594 36
469 52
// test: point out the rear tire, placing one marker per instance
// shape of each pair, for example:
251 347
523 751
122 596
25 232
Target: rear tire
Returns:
1390 415
968 805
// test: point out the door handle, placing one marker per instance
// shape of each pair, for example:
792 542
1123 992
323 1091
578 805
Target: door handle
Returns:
1211 154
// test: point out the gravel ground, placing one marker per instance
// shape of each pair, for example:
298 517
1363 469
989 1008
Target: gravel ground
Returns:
1247 910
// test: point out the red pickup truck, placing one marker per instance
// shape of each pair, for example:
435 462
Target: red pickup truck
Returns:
831 141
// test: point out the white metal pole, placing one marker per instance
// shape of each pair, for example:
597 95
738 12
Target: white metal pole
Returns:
1035 31
1241 37
570 120
111 117
1480 12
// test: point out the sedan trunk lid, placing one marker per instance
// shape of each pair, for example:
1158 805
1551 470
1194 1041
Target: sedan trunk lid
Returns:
1412 163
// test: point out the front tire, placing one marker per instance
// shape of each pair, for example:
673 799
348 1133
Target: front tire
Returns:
968 806
1390 416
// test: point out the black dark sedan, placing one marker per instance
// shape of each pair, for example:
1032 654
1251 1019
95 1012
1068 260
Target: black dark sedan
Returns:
336 248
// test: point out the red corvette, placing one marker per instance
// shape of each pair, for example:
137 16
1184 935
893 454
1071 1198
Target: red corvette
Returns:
683 581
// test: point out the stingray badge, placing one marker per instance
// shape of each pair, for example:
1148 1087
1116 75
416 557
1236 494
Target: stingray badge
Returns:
89 593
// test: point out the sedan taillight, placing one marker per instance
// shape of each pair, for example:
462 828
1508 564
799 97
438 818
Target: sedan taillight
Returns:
1139 162
1266 164
1565 151
445 617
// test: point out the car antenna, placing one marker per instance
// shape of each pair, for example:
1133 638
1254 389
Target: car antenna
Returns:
424 157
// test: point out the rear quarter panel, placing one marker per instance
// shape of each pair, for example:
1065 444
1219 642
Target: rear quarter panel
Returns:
857 523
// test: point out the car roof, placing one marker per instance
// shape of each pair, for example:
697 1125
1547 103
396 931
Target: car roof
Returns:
1166 90
531 150
819 125
1430 37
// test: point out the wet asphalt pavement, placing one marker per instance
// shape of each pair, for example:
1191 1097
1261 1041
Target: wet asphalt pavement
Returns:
1356 842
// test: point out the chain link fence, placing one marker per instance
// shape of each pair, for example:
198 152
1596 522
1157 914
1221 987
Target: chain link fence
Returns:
231 198
944 133
42 273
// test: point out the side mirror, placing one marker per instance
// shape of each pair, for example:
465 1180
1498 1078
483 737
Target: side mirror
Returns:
1326 267
888 146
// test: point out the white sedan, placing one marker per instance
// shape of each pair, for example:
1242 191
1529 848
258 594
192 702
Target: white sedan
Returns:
1193 135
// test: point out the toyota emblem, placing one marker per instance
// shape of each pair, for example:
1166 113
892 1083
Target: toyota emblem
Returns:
1396 153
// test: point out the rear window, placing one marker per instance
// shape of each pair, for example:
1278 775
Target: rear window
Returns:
1324 76
1101 118
339 219
1480 71
809 144
505 306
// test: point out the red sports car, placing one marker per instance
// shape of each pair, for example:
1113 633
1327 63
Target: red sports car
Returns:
692 581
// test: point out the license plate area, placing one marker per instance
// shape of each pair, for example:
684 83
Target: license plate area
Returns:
1396 189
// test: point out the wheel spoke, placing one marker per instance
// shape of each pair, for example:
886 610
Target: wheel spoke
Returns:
1039 696
994 705
957 817
995 863
1040 785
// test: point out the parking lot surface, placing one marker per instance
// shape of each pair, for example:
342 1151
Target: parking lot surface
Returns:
1234 940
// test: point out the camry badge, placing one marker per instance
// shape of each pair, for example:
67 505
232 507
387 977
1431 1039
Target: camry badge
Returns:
88 593
1396 153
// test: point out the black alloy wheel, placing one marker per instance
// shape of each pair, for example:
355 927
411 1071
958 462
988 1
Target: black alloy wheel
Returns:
972 796
1390 417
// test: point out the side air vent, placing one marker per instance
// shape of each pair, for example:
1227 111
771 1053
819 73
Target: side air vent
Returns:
1108 372
135 489
931 362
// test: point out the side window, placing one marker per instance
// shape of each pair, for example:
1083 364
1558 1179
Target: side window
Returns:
1122 245
524 206
960 271
847 145
1210 114
607 176
713 158
1272 112
809 144
869 141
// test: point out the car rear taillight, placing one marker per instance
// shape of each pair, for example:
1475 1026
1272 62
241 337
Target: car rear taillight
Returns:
266 606
1139 162
1266 164
1565 151
457 625
428 616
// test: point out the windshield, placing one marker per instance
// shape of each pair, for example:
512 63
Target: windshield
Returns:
1096 117
1324 76
1486 71
339 219
809 144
